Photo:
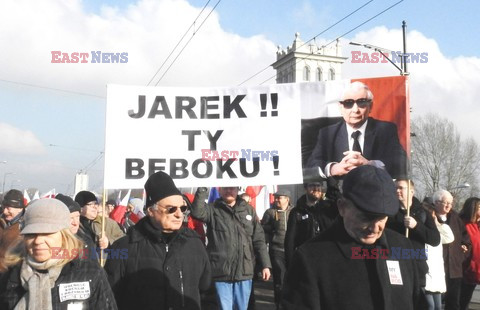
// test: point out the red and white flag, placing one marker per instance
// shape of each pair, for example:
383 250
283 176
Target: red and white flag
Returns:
26 197
49 194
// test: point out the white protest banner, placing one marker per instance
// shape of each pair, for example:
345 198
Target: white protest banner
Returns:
205 136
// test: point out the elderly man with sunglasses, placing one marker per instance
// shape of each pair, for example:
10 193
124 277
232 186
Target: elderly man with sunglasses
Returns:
358 139
166 266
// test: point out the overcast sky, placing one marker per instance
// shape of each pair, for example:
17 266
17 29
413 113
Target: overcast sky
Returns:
48 135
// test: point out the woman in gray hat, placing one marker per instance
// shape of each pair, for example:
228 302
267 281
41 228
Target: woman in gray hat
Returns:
48 269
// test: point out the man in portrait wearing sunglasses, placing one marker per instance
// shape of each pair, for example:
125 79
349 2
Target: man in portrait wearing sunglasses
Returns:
359 139
235 238
167 265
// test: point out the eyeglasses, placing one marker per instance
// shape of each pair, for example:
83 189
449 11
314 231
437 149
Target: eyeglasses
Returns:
361 103
92 204
446 203
173 209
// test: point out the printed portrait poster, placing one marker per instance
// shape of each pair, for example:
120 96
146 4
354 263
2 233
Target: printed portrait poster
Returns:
390 104
231 136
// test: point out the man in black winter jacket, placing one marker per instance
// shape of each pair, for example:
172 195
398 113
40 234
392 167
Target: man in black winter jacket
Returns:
421 226
160 264
310 216
355 263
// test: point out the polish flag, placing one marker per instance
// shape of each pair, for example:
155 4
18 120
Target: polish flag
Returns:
261 198
118 214
36 195
49 194
26 197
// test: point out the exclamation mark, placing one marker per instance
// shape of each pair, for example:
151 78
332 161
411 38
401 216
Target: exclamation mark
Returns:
274 98
263 105
275 159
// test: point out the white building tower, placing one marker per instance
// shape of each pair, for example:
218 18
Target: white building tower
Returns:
308 63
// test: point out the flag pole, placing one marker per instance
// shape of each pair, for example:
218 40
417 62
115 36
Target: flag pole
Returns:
102 259
408 204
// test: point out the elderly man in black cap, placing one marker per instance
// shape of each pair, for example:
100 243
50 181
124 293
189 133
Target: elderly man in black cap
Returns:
167 265
356 264
13 210
274 224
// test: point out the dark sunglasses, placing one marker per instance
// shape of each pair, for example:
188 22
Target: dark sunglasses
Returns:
361 103
173 209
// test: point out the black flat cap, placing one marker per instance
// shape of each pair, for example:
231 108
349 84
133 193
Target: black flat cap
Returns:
372 190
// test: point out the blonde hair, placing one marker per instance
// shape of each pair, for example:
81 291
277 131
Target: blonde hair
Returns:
17 252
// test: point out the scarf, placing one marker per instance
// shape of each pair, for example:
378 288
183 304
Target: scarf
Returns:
38 279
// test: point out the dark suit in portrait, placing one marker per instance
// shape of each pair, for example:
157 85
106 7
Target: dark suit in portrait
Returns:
381 143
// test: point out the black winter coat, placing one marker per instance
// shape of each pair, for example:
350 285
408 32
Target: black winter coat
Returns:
235 237
323 275
159 274
306 222
87 272
274 223
425 232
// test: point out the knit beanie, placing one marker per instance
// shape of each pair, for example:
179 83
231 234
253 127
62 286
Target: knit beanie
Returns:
72 205
158 186
85 197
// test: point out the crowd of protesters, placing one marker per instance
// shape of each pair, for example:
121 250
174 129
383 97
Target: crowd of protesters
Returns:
359 240
51 248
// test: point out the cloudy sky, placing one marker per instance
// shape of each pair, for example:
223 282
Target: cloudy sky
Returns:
52 115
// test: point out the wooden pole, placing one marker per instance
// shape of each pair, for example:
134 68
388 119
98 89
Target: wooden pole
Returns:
102 258
409 185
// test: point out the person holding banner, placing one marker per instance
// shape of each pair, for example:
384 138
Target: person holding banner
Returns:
91 223
358 140
167 265
421 226
352 264
235 237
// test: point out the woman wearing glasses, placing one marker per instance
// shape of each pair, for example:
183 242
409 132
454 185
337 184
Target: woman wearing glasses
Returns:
167 265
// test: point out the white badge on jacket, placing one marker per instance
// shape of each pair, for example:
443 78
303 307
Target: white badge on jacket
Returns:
74 290
394 272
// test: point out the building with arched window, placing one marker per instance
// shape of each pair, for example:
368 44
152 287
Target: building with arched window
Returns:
306 73
297 62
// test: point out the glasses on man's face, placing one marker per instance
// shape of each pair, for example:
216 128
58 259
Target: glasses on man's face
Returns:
361 103
92 204
173 209
445 203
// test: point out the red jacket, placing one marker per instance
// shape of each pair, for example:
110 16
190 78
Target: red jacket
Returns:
471 267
